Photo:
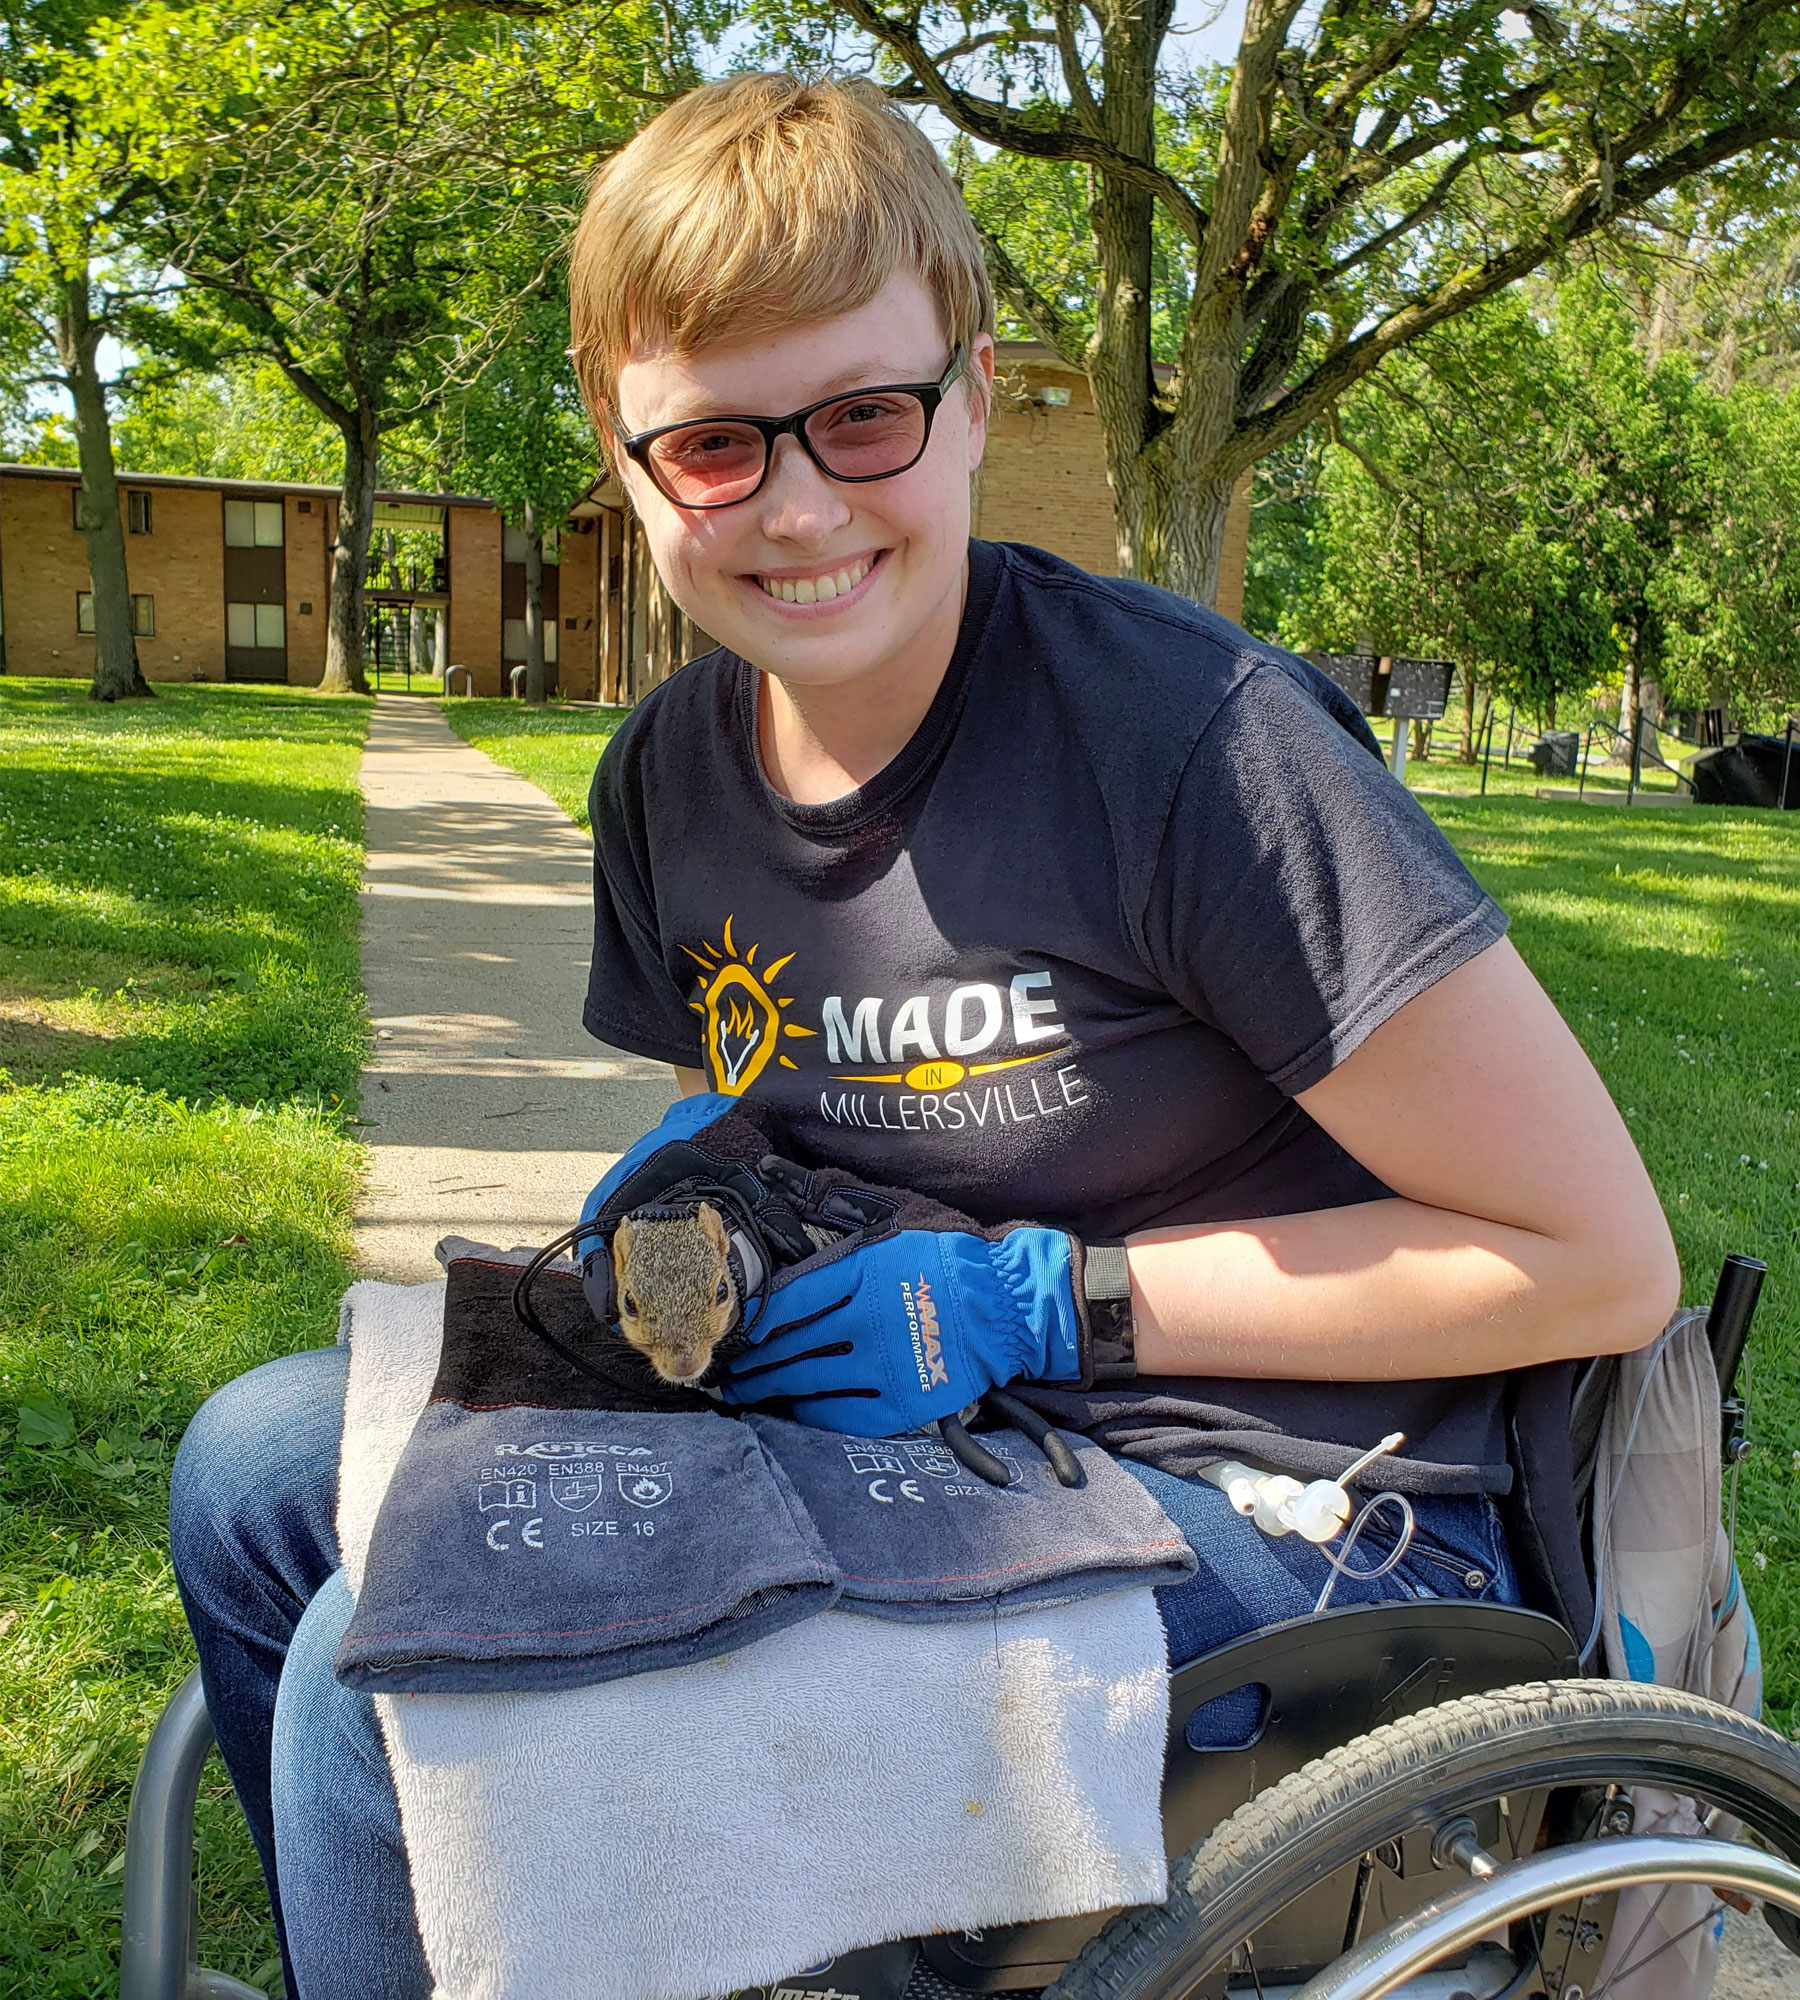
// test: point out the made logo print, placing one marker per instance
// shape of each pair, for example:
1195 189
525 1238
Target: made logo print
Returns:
742 1017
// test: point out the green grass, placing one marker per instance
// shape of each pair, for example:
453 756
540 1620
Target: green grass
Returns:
181 1028
555 747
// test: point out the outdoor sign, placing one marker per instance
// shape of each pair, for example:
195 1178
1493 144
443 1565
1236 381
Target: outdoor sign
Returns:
1417 690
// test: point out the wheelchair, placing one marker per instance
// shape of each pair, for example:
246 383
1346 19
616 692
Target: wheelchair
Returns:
1428 1799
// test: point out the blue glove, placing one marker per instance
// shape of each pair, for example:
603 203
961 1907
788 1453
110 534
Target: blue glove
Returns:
888 1331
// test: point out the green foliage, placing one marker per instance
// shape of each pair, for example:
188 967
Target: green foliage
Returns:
244 424
1549 507
180 1033
1456 509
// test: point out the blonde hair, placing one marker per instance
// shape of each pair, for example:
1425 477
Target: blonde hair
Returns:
761 203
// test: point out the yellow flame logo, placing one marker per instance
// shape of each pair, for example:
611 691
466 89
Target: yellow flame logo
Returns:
743 1018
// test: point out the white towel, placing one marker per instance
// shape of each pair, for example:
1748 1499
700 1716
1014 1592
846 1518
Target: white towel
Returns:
705 1828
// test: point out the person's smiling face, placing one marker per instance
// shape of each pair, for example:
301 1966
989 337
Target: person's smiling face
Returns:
893 550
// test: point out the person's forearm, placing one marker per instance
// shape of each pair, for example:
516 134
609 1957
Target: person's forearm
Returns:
1380 1290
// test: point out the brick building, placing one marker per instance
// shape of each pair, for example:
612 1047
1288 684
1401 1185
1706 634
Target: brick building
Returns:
230 578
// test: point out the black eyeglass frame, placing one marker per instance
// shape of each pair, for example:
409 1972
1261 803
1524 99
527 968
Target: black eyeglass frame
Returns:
929 394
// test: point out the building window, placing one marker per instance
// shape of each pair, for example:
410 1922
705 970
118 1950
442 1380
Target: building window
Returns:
305 506
306 611
256 625
512 640
253 524
137 513
143 613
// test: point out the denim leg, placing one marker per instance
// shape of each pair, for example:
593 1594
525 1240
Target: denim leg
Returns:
253 1533
1248 1580
345 1884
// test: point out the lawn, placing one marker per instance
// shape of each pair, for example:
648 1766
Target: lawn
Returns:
181 1028
1670 938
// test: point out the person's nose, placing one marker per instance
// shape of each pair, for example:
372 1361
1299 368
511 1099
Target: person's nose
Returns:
798 503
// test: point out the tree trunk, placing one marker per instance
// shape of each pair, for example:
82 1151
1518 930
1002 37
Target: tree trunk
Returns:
117 675
350 561
534 608
1465 749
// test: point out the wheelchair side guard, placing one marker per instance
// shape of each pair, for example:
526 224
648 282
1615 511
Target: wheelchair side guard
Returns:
1324 1681
157 1928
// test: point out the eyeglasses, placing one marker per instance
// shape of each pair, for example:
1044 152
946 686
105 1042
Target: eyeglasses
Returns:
868 434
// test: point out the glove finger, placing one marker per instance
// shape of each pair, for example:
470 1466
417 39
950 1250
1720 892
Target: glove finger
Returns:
757 1364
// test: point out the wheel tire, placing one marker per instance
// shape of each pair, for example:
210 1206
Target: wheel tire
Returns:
1413 1773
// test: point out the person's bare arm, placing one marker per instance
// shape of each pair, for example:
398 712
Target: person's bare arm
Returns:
1525 1229
690 1082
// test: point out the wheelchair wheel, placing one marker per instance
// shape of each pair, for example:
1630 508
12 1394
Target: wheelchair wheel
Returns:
1357 1840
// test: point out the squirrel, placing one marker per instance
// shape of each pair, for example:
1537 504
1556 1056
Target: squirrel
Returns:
677 1296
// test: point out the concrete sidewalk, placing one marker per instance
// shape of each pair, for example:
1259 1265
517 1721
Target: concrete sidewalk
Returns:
488 1109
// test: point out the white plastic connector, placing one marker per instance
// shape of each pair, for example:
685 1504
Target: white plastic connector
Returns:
1317 1511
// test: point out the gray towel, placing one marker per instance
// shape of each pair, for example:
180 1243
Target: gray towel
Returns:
915 1536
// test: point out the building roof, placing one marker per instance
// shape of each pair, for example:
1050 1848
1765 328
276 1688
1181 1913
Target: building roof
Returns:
266 488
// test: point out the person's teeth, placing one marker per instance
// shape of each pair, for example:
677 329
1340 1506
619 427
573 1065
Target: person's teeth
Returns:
817 589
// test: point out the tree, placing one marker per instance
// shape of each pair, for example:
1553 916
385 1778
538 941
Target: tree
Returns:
334 180
1450 494
71 192
243 423
1363 173
1647 444
1736 639
519 435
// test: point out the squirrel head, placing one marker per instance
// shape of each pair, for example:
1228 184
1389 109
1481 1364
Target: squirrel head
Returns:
673 1283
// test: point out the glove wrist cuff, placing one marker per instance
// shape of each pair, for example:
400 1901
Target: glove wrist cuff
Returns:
1104 1293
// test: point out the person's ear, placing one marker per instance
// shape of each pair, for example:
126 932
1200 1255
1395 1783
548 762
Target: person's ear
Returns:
980 380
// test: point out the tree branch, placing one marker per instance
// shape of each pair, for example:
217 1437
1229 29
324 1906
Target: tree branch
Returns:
1586 208
999 125
1047 320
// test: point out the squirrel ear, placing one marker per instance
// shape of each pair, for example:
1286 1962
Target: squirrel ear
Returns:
621 1243
713 1226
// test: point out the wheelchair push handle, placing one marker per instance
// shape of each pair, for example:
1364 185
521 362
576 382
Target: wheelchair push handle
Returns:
1728 1322
1727 1330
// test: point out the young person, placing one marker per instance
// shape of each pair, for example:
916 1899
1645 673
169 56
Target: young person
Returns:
1045 894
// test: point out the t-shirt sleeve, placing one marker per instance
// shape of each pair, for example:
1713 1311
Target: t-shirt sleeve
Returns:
1301 895
632 1000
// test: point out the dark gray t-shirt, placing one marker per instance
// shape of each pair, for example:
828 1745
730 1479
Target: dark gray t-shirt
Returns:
1135 882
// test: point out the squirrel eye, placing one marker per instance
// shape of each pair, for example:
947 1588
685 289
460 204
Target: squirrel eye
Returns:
630 1305
721 1291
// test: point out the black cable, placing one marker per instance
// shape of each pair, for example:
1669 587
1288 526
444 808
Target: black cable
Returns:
973 1457
526 1313
1048 1439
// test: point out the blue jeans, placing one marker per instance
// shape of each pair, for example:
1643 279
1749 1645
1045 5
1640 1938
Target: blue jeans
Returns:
253 1530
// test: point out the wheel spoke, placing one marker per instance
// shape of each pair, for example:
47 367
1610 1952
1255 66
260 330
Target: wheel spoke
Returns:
1668 1944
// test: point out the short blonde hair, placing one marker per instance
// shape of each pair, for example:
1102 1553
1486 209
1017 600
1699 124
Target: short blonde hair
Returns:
761 203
